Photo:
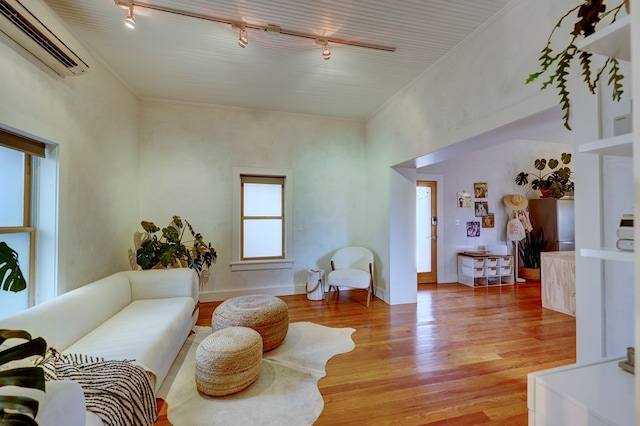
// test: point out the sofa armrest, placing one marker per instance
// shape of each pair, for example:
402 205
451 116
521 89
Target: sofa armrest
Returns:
61 404
163 283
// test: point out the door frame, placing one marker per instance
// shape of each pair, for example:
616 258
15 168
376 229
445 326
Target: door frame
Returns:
440 242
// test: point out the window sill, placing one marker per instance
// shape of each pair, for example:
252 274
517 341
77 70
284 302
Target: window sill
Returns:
259 265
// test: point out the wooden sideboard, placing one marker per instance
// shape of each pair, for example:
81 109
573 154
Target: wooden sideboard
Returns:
558 281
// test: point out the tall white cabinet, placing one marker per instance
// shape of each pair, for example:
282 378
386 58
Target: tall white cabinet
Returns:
595 390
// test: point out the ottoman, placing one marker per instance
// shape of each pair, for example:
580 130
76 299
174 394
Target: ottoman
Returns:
228 361
268 315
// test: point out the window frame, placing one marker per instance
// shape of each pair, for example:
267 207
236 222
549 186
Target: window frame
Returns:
284 262
30 149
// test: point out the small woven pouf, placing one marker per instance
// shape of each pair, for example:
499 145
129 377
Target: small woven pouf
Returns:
266 314
228 361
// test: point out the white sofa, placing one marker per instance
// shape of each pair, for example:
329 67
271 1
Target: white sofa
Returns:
135 315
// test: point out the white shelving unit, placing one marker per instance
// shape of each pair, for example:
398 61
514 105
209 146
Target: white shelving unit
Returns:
597 392
488 270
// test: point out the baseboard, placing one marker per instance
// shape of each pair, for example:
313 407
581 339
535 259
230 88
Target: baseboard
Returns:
219 295
286 290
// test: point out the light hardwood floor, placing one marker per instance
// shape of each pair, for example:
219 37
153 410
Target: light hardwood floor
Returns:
460 356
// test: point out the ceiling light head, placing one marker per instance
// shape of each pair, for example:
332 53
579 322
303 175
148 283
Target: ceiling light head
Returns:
130 20
326 53
243 38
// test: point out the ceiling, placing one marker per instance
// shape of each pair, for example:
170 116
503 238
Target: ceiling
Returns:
168 56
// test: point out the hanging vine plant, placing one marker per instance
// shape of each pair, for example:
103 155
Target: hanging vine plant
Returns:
589 14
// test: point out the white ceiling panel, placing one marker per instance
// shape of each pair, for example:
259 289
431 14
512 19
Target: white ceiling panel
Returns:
180 58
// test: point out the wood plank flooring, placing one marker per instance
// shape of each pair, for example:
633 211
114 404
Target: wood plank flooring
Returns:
460 356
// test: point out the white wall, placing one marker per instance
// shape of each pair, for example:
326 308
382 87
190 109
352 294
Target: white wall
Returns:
497 166
186 160
93 119
477 88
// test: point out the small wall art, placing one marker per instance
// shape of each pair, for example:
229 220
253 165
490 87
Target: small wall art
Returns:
488 221
481 190
464 199
473 229
482 208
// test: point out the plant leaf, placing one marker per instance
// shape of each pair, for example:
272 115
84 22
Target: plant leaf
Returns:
11 278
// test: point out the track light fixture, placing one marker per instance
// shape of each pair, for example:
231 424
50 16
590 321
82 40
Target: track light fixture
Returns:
242 27
326 53
243 38
130 20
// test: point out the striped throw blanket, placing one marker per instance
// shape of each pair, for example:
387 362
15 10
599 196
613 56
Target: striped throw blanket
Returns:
119 392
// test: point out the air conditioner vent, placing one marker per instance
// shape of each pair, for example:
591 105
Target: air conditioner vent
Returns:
17 22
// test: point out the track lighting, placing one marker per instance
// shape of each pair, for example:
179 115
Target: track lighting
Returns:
243 38
326 53
130 20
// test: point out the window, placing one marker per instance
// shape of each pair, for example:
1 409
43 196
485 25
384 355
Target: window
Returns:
16 216
262 219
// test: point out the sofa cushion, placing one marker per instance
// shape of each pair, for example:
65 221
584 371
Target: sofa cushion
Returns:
160 283
150 331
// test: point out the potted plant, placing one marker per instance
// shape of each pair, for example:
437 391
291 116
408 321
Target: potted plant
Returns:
18 410
556 182
168 250
529 250
589 14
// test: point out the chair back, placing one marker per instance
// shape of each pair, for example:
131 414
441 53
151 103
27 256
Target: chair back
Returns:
353 257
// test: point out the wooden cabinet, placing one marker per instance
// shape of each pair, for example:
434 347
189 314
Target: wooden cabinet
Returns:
558 281
485 270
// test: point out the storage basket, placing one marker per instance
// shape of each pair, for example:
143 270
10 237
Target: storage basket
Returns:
472 262
491 271
473 272
491 261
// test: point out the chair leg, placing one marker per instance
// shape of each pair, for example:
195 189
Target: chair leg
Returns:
368 296
328 294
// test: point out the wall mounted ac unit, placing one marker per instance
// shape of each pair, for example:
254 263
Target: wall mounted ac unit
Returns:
35 28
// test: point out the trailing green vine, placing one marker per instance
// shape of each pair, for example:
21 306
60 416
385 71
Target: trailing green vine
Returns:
590 13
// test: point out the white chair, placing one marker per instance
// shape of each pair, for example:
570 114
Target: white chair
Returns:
351 267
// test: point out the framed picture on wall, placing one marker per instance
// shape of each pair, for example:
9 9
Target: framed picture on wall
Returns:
473 229
481 190
482 208
464 199
488 221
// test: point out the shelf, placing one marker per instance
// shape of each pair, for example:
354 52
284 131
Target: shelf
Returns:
621 145
609 254
613 41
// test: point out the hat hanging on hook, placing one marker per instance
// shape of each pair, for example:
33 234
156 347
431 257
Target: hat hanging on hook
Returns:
515 201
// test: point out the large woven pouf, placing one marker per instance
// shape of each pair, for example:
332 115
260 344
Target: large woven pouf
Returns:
266 314
228 361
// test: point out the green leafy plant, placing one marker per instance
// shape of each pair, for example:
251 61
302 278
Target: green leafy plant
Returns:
18 410
169 250
557 180
11 278
531 247
590 13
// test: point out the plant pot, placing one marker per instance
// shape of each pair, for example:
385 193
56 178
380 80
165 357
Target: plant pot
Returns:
530 274
545 193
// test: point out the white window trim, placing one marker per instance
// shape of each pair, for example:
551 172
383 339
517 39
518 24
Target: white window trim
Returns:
255 265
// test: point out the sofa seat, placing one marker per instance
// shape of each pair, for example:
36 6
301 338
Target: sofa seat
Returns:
149 331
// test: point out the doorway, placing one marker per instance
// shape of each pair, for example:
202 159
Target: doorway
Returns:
426 231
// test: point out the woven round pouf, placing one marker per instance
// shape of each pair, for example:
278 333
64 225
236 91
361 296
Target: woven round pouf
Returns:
266 314
228 361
